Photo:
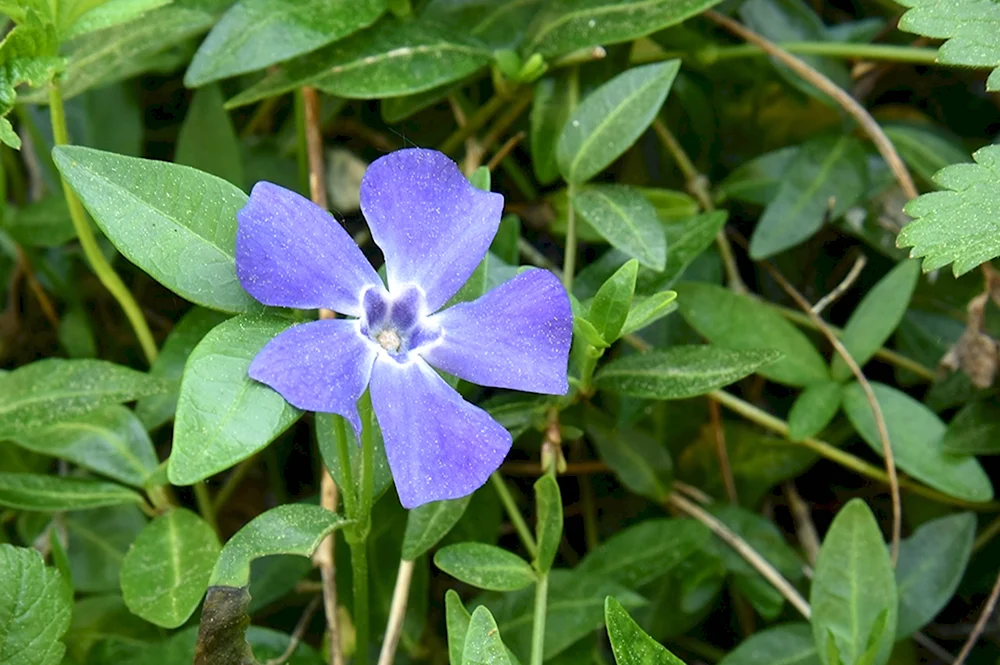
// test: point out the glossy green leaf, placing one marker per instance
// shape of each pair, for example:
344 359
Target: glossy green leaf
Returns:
630 643
48 391
31 491
426 525
485 566
549 524
915 433
930 567
176 223
500 25
610 306
35 607
626 219
644 552
876 317
813 410
786 644
975 430
924 148
288 529
641 463
208 140
96 543
737 321
458 619
555 99
110 441
969 26
648 310
389 59
852 586
224 416
611 118
826 177
957 224
166 571
111 13
568 25
681 371
254 34
483 645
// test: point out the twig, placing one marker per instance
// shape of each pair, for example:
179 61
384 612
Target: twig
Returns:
804 527
397 612
693 492
980 626
848 103
314 146
505 150
720 449
840 289
933 647
300 629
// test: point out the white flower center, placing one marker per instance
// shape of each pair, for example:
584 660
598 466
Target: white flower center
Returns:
389 340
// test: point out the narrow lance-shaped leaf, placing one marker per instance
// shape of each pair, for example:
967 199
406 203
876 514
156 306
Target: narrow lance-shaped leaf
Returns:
30 491
548 529
485 566
555 99
641 463
626 219
611 304
207 140
813 410
429 523
630 643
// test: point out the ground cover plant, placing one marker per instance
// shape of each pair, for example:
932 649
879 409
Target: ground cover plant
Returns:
497 332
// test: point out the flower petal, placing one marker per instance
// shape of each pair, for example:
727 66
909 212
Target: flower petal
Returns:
516 336
439 446
432 225
292 253
319 366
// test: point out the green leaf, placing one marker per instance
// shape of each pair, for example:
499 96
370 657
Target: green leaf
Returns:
630 643
429 523
155 410
611 118
555 99
288 529
224 416
51 390
458 619
687 240
327 427
611 304
646 311
975 430
110 441
176 223
787 644
826 177
166 571
483 645
254 34
757 181
31 491
549 524
96 542
28 54
111 13
813 410
480 178
574 24
737 321
876 317
681 371
389 59
957 225
915 434
35 607
485 566
45 223
626 219
853 584
970 26
499 25
207 140
641 462
930 567
924 148
645 552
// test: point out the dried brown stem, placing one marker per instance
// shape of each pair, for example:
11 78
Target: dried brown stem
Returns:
397 613
725 469
300 629
804 527
505 150
840 289
977 630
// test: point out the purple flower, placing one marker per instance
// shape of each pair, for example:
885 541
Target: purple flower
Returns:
433 228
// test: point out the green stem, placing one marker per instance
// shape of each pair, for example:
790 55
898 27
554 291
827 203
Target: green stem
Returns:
205 507
357 536
514 513
348 491
845 50
98 263
359 575
538 621
367 461
232 482
474 123
569 257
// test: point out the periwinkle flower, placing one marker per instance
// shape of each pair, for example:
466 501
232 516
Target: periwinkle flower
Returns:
433 228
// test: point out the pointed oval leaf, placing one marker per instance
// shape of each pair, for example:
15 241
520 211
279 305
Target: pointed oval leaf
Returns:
32 491
626 219
224 416
975 430
429 523
35 608
485 566
648 310
555 99
813 409
208 140
166 571
483 645
611 118
549 526
458 619
788 644
175 222
630 643
642 463
610 306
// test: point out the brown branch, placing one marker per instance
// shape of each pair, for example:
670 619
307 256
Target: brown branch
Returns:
725 469
300 629
840 289
505 150
977 630
397 613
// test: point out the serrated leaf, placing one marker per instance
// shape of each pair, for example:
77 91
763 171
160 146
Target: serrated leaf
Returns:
681 371
611 304
644 552
483 645
224 416
739 322
975 430
28 54
426 525
930 567
641 463
915 434
630 643
959 224
110 441
626 219
485 566
166 571
254 34
32 491
611 118
826 177
48 391
813 409
788 644
852 586
176 223
549 525
207 140
970 26
35 608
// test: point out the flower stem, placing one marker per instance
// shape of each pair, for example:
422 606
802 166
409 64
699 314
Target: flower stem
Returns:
569 257
349 491
514 513
358 535
538 622
359 576
98 263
